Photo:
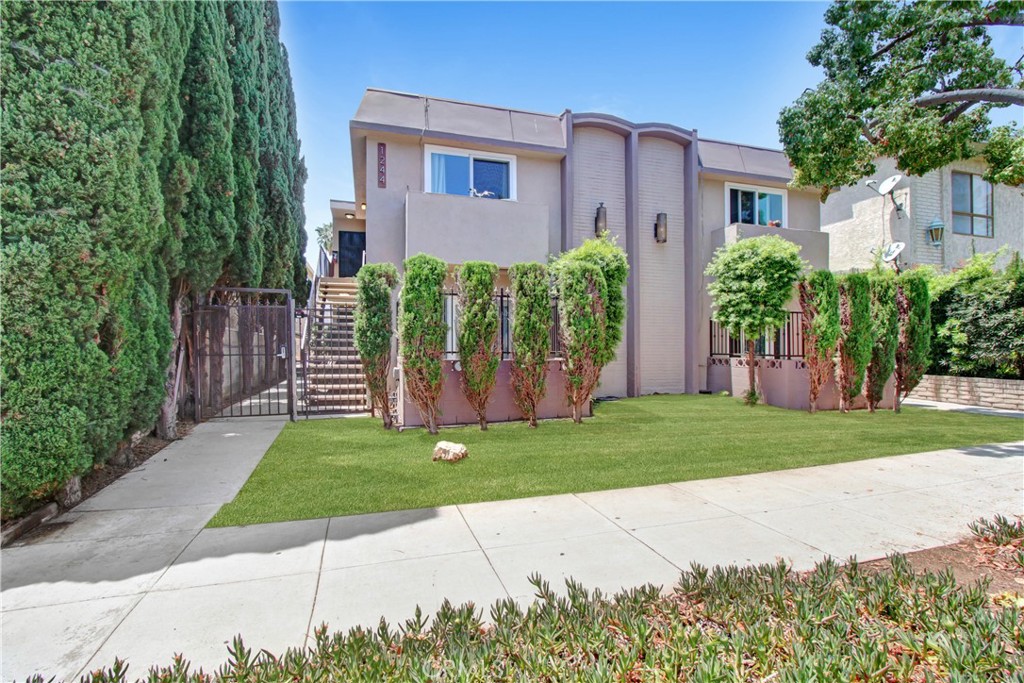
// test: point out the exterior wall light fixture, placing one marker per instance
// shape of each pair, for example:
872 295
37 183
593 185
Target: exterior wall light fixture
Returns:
600 220
935 230
350 216
661 228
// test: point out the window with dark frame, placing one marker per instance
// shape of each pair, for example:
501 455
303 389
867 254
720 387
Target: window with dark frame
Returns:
972 205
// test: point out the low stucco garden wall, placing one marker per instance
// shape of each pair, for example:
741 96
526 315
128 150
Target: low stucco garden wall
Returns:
455 410
783 383
974 391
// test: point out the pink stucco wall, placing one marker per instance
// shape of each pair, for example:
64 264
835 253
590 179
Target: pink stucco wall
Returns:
455 409
783 383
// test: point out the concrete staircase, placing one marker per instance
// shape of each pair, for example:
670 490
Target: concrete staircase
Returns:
334 379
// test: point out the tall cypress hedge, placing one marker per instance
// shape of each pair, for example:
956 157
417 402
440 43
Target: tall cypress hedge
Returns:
421 334
120 162
531 340
479 354
373 330
885 328
913 346
855 339
584 329
819 302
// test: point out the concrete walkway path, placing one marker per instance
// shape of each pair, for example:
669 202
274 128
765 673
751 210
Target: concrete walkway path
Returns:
101 588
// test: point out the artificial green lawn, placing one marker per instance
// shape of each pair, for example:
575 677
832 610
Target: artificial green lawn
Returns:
322 468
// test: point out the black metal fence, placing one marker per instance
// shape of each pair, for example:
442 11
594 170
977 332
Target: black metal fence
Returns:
503 301
787 342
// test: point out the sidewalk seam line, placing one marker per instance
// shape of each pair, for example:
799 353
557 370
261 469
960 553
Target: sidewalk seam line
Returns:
628 533
319 574
484 551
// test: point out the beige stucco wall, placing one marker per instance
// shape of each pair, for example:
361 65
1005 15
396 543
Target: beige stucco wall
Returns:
599 175
385 208
859 220
661 173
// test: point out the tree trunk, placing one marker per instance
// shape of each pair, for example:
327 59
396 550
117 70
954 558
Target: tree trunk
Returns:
483 423
533 421
167 421
752 392
896 397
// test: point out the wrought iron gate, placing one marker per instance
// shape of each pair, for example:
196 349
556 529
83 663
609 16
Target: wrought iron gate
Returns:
244 353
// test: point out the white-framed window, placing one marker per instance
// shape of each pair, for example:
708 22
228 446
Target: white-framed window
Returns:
972 205
450 170
755 205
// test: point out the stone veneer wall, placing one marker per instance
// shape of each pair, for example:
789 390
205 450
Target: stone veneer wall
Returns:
975 391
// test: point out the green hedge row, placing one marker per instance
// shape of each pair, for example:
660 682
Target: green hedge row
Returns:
149 151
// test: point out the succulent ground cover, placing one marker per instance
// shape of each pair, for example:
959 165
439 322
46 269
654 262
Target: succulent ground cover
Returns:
758 624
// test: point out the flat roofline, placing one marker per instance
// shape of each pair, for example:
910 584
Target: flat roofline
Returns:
468 104
743 144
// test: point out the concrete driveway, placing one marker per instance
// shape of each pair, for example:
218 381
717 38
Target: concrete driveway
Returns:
135 576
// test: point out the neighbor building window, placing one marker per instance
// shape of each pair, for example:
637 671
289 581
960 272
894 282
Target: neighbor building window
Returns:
972 205
755 205
471 174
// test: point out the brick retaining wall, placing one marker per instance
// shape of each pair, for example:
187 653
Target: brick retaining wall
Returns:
975 391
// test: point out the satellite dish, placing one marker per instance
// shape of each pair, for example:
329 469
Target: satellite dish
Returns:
892 250
889 183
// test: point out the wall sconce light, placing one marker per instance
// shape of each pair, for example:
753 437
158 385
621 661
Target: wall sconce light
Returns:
935 230
363 206
350 216
600 220
661 228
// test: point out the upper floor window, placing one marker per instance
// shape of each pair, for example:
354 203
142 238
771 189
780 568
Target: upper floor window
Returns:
755 205
471 174
972 205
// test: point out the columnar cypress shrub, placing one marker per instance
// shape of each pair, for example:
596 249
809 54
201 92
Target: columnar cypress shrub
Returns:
819 301
913 306
855 339
531 335
884 332
584 327
373 330
478 334
421 333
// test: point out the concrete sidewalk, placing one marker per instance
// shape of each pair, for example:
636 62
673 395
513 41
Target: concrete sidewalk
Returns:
77 598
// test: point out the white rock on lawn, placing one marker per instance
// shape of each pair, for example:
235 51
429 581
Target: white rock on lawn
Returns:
450 452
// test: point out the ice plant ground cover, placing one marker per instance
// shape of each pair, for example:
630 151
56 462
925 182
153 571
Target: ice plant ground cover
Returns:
834 623
326 468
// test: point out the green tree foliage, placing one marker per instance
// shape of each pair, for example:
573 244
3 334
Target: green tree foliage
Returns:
582 293
325 235
119 170
373 330
855 340
478 334
421 334
819 302
913 306
610 258
885 333
910 80
978 319
753 283
531 335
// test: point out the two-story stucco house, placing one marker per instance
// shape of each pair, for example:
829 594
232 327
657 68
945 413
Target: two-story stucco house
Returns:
467 181
943 217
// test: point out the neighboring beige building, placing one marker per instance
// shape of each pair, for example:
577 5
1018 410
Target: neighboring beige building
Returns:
974 216
466 181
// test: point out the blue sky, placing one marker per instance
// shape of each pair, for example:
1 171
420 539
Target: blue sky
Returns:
724 68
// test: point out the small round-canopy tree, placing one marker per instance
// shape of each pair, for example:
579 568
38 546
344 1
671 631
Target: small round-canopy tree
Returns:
478 334
373 331
421 333
884 331
819 301
913 305
581 309
531 341
855 341
754 281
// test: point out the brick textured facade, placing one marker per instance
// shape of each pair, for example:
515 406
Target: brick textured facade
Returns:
976 391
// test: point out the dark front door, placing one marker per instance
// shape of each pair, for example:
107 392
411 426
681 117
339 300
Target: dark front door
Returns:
351 246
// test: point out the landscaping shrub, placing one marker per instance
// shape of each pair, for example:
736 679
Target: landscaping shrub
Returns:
373 330
978 319
753 284
531 335
855 339
913 306
478 334
819 301
584 324
127 128
421 333
763 623
611 260
885 329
